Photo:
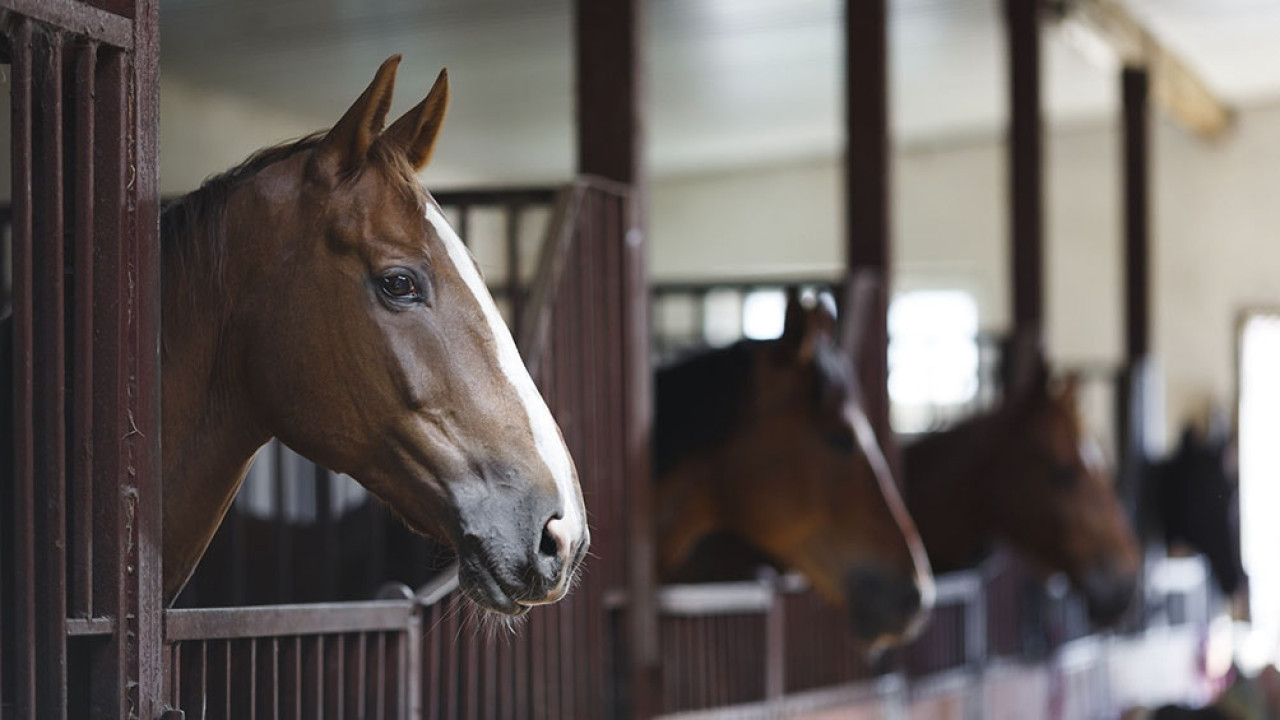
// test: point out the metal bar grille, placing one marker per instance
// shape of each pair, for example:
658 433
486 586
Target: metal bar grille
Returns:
79 571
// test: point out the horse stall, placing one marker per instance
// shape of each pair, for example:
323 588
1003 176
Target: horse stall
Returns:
84 631
316 600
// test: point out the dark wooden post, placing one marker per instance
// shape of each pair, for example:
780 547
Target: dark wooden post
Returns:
143 574
610 140
1134 85
866 165
1026 193
1132 393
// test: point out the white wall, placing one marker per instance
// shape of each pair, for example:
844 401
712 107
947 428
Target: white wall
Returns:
1216 217
203 132
1216 220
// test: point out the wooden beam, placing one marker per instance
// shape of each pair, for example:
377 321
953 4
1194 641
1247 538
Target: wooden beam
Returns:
1175 87
1026 166
866 163
609 100
1134 86
607 53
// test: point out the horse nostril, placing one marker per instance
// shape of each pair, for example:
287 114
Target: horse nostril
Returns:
548 546
555 541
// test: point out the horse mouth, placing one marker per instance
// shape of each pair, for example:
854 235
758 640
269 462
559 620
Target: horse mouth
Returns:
480 584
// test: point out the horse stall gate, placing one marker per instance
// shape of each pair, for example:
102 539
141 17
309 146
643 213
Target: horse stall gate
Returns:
83 631
79 559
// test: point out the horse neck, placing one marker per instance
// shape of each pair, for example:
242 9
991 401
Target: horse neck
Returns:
209 434
946 473
696 405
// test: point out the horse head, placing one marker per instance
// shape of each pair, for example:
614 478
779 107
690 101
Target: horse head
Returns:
1053 495
1197 499
351 322
768 440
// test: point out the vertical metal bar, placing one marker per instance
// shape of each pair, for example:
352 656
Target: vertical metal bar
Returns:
1025 164
339 680
175 673
433 661
81 549
227 696
203 696
323 483
412 665
50 382
524 707
280 525
24 605
362 675
275 678
110 675
380 675
775 648
538 680
470 645
318 679
296 678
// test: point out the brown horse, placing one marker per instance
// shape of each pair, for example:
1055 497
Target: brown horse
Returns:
1029 474
317 294
766 440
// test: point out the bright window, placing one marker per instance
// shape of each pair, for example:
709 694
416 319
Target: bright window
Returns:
1260 485
933 356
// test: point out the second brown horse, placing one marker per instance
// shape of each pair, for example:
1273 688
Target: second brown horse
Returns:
1026 473
767 440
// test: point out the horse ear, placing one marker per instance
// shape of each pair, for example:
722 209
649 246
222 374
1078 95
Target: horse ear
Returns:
804 328
347 144
415 132
1068 392
794 322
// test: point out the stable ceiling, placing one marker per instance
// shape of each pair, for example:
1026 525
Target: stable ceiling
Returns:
731 82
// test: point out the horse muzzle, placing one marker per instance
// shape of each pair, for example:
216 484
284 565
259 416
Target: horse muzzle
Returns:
885 608
1108 591
516 550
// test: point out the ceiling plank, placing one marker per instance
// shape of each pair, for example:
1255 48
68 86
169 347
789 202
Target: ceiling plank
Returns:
1176 88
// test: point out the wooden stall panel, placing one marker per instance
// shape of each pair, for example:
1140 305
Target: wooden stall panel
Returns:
78 495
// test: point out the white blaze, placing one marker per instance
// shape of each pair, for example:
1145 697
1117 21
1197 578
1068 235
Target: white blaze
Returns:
546 434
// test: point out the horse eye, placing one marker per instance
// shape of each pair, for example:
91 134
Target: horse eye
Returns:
399 286
841 441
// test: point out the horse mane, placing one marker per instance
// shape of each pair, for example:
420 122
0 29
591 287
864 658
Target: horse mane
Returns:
968 439
698 403
192 232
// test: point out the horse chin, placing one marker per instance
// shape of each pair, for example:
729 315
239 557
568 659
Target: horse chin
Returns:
480 585
1107 595
884 610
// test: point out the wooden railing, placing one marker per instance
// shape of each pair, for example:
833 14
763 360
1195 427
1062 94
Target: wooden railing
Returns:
733 648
